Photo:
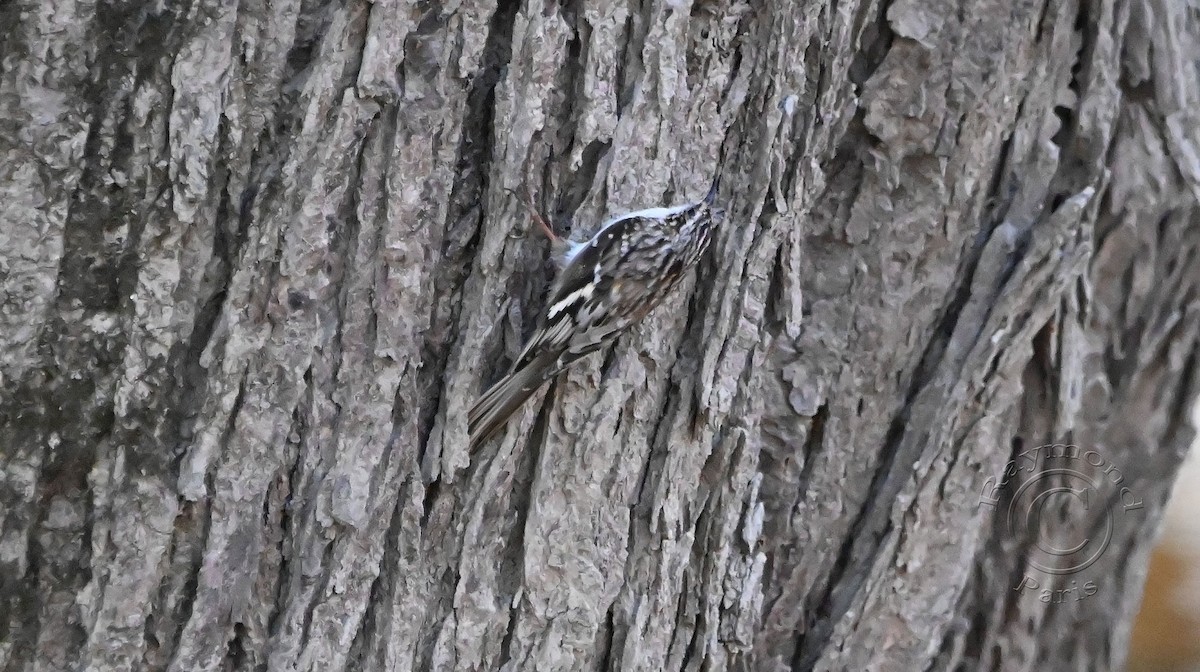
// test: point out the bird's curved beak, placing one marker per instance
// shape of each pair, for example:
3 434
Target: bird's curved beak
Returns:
711 197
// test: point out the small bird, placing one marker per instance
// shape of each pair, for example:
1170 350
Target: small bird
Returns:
606 285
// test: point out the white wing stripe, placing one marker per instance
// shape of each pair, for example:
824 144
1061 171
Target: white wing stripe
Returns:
583 293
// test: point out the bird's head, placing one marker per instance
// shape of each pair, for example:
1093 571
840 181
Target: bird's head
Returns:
703 213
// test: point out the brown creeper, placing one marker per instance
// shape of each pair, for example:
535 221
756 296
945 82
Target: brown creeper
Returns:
606 285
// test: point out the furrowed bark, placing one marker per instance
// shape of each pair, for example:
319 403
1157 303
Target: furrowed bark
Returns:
257 259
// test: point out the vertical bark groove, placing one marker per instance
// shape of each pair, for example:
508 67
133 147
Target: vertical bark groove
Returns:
257 259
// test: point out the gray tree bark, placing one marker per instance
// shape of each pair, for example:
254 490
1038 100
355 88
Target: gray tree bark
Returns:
257 259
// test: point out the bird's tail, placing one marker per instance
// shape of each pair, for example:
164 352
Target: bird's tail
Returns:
492 411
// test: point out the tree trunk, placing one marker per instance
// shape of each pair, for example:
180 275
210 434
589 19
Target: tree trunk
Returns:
258 258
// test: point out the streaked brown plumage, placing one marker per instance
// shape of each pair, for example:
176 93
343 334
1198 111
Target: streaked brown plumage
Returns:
607 284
